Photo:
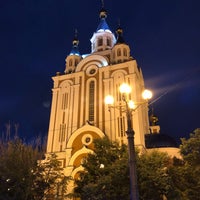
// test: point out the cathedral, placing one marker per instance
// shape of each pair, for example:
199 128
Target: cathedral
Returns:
78 110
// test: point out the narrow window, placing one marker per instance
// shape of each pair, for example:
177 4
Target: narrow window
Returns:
108 42
119 52
100 41
121 126
76 62
62 132
70 62
123 122
91 101
125 52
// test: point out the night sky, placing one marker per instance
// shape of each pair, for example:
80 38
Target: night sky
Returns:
36 36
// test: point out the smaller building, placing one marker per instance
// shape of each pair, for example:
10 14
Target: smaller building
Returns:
155 140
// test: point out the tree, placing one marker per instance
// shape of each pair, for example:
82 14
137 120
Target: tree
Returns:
154 178
186 173
190 149
49 179
16 163
106 174
22 176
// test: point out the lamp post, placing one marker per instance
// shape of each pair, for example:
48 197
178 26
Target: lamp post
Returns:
129 107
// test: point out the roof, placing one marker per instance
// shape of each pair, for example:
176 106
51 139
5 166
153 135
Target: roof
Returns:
159 140
75 51
120 39
103 26
75 43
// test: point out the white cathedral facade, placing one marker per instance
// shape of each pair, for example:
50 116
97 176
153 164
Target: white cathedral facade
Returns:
78 111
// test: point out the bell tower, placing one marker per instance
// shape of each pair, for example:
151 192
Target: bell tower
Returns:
103 39
74 57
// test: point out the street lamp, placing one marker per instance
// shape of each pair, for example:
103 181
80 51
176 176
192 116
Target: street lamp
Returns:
130 106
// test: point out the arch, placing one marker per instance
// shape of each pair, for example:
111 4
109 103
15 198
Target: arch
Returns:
76 170
84 150
65 84
97 60
119 72
84 129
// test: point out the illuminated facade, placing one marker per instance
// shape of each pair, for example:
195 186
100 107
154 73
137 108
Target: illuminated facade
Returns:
78 112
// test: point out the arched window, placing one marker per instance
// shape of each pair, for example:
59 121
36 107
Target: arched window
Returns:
108 42
118 52
76 62
70 62
100 41
125 52
91 100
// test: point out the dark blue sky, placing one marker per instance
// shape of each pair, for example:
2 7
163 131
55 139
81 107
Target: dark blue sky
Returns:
36 36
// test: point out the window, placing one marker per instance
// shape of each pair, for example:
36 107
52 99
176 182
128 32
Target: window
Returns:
108 42
125 52
119 52
92 71
76 62
100 41
62 132
70 62
64 101
91 101
121 126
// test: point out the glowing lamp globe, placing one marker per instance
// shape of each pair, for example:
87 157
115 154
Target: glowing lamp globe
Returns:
131 104
147 94
109 100
124 88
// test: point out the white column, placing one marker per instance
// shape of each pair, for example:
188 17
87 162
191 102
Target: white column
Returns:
52 128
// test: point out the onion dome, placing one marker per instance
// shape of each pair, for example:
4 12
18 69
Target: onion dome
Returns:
75 43
103 26
120 39
103 13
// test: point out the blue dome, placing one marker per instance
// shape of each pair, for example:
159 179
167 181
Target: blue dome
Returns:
75 43
75 51
120 39
103 25
159 140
